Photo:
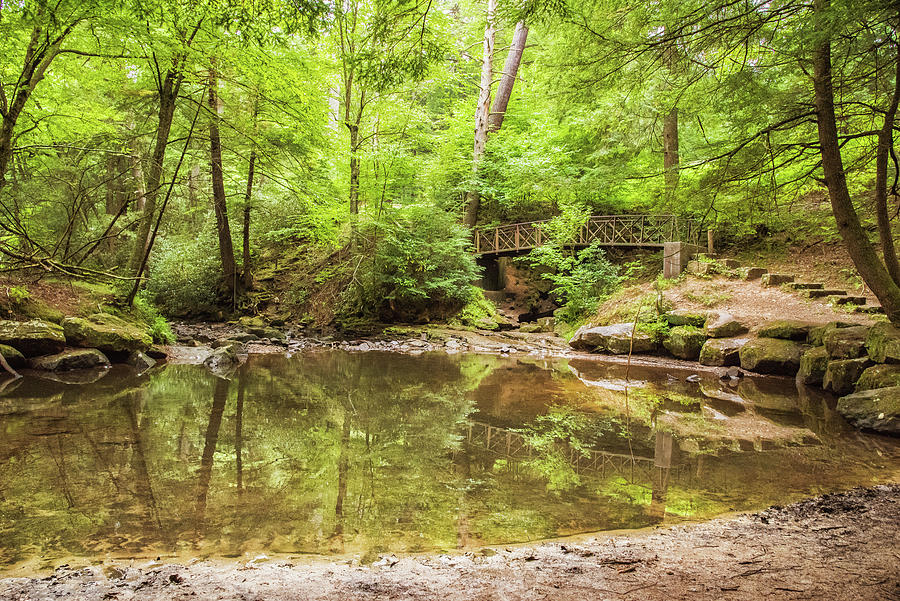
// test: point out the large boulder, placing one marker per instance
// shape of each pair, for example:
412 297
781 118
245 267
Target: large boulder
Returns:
12 356
32 338
882 343
616 339
879 376
817 335
786 329
877 409
724 325
846 343
813 364
686 317
685 342
84 358
841 376
225 357
722 352
772 356
106 332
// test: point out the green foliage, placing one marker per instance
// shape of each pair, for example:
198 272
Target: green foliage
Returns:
580 280
478 312
156 323
184 275
413 260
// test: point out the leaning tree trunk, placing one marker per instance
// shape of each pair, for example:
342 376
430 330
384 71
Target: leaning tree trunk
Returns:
861 250
508 79
482 112
226 249
885 145
167 97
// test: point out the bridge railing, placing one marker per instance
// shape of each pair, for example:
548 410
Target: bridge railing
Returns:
610 230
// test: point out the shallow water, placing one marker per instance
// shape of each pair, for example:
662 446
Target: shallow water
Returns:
337 453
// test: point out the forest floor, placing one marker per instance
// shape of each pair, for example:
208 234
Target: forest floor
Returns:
834 547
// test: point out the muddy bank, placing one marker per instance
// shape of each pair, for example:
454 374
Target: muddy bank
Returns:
839 546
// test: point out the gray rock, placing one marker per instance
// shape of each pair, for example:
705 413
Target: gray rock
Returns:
686 317
813 364
615 339
724 325
106 332
32 338
140 361
722 352
786 329
882 343
846 343
817 335
841 376
71 359
685 342
877 409
224 357
772 356
879 376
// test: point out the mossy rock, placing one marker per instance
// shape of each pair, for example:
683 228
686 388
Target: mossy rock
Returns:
813 364
816 335
254 321
722 352
12 356
772 356
846 343
685 342
616 339
724 325
84 358
106 332
786 329
841 376
883 343
877 409
32 338
686 317
530 328
879 376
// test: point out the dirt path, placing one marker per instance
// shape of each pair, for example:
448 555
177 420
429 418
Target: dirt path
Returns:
840 546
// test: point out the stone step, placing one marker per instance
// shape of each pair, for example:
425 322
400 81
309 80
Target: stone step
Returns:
806 286
752 273
729 263
776 279
824 293
850 300
868 309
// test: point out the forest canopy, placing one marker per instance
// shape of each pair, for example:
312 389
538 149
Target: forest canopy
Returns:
193 153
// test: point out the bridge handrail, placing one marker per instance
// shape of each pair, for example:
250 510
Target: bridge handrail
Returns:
527 235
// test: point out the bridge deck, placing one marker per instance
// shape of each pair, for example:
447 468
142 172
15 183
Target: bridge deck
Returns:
610 230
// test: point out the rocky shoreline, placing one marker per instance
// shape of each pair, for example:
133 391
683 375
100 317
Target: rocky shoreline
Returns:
833 547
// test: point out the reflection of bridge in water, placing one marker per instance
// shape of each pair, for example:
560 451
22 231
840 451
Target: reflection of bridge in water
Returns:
513 445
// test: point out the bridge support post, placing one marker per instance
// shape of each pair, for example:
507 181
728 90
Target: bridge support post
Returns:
493 276
676 256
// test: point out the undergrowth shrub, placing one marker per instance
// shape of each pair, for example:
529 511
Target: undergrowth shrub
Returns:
580 280
414 263
184 275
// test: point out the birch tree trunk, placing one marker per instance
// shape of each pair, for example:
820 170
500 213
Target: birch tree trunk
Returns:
482 111
508 78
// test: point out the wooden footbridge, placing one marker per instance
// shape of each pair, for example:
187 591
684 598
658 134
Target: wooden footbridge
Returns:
652 231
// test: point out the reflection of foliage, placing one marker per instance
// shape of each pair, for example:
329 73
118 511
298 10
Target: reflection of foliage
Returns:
555 437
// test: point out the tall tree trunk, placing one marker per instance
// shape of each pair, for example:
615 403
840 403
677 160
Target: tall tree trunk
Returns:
354 168
508 79
885 145
239 432
168 94
226 249
482 112
137 175
861 250
670 149
248 195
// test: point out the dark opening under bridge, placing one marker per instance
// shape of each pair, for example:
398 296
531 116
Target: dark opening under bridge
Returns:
679 237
